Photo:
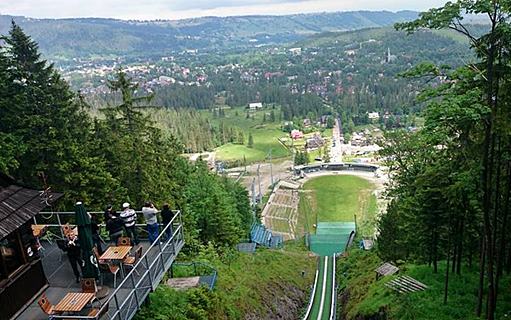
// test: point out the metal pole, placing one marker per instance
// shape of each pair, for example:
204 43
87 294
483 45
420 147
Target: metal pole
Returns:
161 257
148 269
259 181
253 198
60 226
117 306
271 169
135 290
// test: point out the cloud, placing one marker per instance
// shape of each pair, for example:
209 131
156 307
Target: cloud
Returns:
181 5
177 9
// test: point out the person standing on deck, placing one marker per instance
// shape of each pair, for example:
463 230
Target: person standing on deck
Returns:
109 212
166 216
130 218
96 237
72 247
114 225
151 219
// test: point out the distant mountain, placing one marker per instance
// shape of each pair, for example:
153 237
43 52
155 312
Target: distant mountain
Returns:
63 39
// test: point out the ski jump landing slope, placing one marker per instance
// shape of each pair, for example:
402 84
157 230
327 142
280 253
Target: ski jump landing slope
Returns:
331 238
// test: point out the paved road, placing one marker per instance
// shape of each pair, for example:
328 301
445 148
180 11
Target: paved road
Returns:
279 170
337 147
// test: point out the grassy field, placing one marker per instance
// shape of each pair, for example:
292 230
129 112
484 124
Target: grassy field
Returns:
368 298
306 215
340 198
265 135
268 284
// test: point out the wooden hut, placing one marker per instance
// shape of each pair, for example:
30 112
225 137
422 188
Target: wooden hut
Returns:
21 272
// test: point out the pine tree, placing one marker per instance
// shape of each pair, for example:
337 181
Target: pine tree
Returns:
49 123
250 143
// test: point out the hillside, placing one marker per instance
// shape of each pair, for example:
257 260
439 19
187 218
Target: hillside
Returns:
94 37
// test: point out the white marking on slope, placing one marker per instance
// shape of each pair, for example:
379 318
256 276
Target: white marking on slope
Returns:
311 301
332 304
322 303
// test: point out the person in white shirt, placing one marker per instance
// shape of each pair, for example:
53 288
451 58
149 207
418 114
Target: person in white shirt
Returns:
150 215
129 216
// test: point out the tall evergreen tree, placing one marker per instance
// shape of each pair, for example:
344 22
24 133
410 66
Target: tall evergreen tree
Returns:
48 122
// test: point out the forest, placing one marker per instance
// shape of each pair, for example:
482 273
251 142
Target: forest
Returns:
49 139
344 75
449 195
65 39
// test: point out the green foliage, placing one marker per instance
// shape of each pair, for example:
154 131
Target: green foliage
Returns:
170 304
71 38
44 125
218 210
47 138
247 286
370 298
265 137
451 186
250 142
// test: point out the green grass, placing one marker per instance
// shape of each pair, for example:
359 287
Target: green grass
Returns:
263 285
253 282
341 197
265 135
306 215
368 297
279 225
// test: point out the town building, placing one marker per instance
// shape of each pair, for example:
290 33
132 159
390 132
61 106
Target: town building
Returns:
315 142
255 105
296 134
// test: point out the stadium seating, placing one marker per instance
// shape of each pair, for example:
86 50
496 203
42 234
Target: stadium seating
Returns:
264 237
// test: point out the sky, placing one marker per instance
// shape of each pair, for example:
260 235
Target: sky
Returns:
180 9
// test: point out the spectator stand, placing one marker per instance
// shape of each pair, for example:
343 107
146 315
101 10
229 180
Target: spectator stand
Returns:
264 237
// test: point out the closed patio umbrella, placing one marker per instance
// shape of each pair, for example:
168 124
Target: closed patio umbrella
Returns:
90 268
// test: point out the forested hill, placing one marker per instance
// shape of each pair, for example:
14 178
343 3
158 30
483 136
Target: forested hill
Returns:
86 37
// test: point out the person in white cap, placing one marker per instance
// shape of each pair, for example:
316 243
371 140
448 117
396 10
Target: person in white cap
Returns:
130 218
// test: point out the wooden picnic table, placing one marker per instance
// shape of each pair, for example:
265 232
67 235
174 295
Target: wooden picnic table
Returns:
74 302
38 230
115 253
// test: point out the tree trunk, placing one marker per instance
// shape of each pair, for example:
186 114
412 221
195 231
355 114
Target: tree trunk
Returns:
446 284
503 234
460 248
480 292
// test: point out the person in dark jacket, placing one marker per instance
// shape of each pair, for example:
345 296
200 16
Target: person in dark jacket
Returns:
166 217
96 238
72 247
109 212
115 225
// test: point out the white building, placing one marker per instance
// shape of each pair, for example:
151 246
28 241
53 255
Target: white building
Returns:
296 51
373 115
255 105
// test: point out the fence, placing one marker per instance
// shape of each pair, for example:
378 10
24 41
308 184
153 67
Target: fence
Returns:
143 278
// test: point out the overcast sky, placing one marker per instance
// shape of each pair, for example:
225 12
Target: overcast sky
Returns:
178 9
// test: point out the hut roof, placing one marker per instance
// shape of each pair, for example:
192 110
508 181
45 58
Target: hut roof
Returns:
387 269
19 204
